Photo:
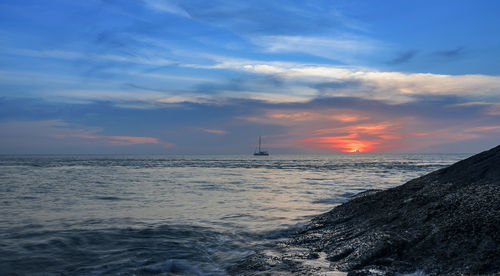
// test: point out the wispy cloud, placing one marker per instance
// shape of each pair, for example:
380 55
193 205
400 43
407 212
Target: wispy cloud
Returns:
404 57
213 131
133 140
451 54
167 6
494 128
54 131
116 96
294 116
268 17
142 58
342 48
65 131
489 108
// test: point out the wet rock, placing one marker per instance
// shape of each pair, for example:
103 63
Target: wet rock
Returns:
444 223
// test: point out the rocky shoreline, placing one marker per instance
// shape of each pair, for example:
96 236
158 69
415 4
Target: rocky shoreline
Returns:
444 223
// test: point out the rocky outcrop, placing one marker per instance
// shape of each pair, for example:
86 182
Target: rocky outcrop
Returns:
444 223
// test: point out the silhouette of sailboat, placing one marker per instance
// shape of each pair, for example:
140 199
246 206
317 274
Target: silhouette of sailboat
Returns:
260 152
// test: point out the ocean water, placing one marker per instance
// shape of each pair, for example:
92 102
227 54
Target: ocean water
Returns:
174 215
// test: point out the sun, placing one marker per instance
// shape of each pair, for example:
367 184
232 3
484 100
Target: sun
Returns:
356 146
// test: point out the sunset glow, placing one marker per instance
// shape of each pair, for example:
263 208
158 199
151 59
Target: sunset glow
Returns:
348 143
164 76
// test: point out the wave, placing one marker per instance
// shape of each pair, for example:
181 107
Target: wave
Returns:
176 249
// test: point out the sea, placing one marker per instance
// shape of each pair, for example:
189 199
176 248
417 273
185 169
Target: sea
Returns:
174 214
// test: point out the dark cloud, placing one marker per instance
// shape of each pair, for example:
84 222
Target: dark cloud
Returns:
403 57
456 53
353 86
213 88
335 85
273 81
246 83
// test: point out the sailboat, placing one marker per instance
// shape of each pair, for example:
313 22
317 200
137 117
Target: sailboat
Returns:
260 152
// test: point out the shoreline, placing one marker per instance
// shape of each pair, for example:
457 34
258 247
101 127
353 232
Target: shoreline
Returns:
446 222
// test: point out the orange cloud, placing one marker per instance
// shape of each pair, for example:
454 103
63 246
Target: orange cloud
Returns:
373 129
369 130
289 117
421 134
349 118
347 143
118 140
132 140
357 138
390 137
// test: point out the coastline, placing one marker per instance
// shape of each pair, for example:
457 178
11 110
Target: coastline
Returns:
446 222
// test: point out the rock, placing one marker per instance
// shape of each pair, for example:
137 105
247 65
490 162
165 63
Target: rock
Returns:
444 223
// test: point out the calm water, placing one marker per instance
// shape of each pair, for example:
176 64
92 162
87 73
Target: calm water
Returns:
173 215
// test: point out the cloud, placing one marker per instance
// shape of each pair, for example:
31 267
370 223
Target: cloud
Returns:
489 108
322 126
290 127
133 140
394 135
167 6
294 116
404 57
271 17
366 137
495 128
348 125
273 82
347 143
342 48
16 134
213 131
93 136
393 87
142 58
451 54
339 84
117 96
493 110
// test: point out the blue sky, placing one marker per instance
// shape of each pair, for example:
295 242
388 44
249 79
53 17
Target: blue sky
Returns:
158 76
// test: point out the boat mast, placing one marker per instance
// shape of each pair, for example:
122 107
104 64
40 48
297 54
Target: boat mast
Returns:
259 143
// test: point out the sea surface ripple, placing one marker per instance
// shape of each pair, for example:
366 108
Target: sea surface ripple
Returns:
173 215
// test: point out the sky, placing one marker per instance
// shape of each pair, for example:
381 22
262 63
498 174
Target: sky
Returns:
209 77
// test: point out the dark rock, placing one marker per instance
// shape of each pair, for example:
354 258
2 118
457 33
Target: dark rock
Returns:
444 223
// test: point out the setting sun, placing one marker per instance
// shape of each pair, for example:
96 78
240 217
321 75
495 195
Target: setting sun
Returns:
194 137
348 143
